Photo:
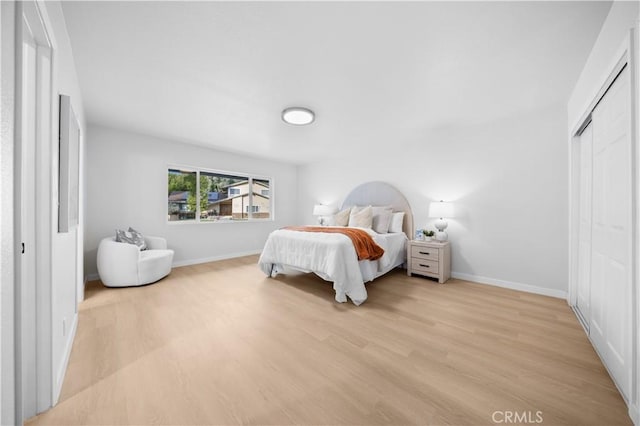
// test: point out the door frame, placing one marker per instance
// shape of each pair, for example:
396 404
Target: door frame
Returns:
626 55
33 14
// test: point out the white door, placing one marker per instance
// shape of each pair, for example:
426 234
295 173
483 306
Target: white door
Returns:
33 212
27 221
611 274
583 293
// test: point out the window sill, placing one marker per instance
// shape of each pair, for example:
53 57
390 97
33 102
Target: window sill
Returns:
195 222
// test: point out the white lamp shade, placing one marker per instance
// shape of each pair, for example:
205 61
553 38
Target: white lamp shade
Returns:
440 209
322 210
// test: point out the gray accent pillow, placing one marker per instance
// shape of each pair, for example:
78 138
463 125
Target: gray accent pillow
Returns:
381 219
131 237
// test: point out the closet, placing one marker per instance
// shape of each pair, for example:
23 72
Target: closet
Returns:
604 228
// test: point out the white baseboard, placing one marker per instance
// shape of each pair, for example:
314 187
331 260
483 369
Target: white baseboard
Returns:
634 413
560 294
62 369
91 277
215 258
94 276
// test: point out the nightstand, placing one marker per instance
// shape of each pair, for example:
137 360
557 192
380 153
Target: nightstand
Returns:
429 259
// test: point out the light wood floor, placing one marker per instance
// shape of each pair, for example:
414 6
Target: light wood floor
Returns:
219 343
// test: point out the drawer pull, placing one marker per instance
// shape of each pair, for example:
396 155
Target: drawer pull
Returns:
425 252
424 266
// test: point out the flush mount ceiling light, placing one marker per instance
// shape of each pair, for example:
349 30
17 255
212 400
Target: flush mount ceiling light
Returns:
298 116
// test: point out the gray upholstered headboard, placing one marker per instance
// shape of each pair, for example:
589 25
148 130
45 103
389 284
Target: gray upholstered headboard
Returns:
381 194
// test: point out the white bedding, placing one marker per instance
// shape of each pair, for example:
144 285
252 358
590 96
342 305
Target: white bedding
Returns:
333 258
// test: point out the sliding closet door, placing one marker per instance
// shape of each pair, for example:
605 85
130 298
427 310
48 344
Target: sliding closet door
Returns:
583 296
611 274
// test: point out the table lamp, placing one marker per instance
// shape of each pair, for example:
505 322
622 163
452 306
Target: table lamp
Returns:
321 211
441 209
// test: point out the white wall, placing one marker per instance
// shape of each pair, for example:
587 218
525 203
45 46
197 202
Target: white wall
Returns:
623 16
606 51
126 186
508 180
7 277
67 273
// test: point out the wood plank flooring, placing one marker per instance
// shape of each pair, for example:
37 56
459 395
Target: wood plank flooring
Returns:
219 343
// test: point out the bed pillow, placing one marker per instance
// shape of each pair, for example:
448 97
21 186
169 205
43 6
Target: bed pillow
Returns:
397 219
131 237
361 217
341 218
381 219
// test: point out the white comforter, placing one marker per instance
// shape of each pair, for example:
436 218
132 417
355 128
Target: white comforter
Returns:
331 256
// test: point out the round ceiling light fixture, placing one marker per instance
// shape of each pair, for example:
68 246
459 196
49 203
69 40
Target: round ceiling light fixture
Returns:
298 116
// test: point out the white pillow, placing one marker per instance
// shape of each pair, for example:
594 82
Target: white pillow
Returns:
361 217
396 222
341 218
381 219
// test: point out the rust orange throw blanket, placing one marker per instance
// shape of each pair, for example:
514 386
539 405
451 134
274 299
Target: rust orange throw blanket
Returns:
366 248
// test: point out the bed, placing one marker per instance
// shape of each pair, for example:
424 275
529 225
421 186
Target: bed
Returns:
332 256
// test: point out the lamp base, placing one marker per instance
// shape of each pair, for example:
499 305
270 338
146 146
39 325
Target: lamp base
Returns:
441 224
441 236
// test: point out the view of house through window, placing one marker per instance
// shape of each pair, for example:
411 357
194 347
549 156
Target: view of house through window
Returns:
261 199
220 197
182 195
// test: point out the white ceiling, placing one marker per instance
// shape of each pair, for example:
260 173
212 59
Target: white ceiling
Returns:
219 73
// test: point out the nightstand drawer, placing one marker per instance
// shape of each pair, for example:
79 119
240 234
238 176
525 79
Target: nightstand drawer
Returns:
427 266
428 253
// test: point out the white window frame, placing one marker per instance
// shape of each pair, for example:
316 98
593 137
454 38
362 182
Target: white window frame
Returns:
250 177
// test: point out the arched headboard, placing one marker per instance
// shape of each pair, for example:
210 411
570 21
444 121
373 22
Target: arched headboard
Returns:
381 194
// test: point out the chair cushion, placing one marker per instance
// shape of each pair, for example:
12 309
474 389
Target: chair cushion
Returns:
154 265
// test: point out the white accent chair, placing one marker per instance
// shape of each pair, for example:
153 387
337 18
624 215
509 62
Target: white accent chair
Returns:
124 265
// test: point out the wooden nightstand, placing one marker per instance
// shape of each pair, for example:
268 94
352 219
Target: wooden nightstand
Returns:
430 259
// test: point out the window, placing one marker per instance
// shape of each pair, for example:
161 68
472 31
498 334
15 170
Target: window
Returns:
221 197
182 199
261 198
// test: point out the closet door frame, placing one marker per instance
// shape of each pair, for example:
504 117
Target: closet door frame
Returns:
626 56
